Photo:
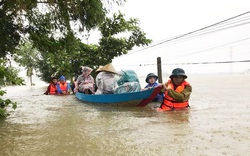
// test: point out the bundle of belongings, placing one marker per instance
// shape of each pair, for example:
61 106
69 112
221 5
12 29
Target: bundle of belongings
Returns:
128 82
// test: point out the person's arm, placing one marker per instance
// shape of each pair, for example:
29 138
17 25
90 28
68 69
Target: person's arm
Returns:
182 96
92 79
77 84
48 90
59 91
157 84
68 88
164 87
145 88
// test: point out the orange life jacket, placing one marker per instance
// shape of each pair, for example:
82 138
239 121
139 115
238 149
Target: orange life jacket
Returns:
52 89
169 102
63 87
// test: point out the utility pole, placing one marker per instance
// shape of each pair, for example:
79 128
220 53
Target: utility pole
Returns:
159 69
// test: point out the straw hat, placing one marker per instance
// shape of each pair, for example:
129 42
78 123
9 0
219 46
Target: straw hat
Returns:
98 70
108 68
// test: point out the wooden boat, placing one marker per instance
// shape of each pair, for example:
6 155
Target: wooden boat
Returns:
141 98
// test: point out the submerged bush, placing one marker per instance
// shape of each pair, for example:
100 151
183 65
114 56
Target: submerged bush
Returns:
4 105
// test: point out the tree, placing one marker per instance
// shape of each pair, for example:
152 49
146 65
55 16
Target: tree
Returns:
26 55
27 19
51 27
111 45
8 31
65 56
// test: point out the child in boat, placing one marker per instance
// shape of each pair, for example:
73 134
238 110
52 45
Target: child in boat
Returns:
52 90
62 86
151 79
85 82
177 91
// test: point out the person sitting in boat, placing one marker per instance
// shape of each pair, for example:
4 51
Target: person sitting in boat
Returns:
51 90
106 81
177 91
85 82
63 87
151 79
128 82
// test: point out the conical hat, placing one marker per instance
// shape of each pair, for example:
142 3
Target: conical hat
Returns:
98 70
108 68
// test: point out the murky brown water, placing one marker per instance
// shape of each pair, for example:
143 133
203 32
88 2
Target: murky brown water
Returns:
218 123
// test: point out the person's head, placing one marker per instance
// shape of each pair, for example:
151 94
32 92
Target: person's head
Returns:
86 71
151 78
178 76
62 79
54 80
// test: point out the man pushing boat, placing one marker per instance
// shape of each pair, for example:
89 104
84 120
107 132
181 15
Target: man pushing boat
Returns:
177 91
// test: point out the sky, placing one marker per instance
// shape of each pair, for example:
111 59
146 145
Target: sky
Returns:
164 19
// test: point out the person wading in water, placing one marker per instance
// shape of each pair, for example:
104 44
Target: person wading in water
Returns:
177 91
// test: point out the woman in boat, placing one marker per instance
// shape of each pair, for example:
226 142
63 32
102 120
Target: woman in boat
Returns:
52 90
177 91
85 82
151 79
63 87
106 80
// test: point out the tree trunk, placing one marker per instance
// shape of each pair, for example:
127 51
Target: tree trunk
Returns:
31 81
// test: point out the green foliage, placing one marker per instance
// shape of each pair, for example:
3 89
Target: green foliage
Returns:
64 56
8 31
36 19
4 104
26 56
50 26
7 74
111 45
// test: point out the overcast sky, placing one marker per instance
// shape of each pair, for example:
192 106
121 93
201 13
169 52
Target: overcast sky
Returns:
163 19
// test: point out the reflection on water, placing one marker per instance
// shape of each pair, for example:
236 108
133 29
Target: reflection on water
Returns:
216 124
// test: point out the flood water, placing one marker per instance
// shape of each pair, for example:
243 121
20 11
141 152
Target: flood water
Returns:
218 123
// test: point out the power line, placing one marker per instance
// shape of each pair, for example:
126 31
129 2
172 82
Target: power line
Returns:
191 63
219 62
204 33
151 61
201 51
193 32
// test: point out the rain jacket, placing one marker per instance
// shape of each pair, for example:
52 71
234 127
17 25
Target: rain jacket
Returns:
106 83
